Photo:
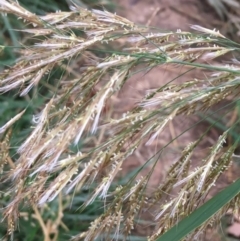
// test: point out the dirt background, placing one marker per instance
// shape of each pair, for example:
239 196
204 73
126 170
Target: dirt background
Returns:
172 15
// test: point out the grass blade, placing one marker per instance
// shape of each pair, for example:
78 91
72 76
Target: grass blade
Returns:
202 214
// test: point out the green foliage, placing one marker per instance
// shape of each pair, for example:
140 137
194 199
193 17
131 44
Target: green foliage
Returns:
202 214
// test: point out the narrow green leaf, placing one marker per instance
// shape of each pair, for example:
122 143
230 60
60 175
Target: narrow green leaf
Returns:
202 214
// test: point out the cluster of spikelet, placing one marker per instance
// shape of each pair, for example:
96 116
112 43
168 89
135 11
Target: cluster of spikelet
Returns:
45 167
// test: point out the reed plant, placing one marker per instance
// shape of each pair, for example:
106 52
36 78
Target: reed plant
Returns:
74 143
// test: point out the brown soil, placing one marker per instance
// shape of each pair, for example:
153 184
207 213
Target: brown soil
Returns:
169 15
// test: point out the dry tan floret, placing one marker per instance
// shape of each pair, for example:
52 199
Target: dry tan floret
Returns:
77 109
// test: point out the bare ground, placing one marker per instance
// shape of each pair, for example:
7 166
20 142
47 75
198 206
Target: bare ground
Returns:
169 15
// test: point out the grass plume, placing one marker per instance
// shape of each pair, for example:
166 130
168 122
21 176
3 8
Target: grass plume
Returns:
44 166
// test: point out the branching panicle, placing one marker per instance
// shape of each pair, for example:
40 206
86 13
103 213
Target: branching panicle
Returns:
78 114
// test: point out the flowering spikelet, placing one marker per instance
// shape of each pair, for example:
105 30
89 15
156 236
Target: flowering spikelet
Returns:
78 142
